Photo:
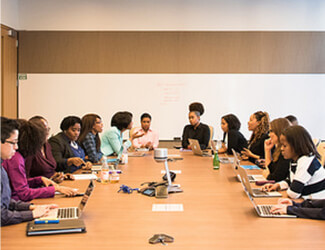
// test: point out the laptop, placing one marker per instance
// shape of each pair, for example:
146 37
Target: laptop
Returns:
196 149
136 154
255 192
264 210
251 178
65 213
224 160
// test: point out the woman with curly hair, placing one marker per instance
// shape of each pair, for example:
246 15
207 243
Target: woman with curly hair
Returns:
32 137
259 123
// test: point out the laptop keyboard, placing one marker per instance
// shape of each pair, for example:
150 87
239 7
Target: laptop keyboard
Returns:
265 210
68 212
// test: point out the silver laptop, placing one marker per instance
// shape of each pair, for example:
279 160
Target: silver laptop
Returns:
136 154
196 149
65 213
264 210
255 192
251 178
224 160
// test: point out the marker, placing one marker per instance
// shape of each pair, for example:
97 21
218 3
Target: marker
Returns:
54 221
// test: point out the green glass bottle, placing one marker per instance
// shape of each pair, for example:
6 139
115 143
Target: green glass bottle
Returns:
216 161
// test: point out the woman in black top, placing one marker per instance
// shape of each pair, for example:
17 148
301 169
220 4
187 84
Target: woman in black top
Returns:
277 165
196 130
258 123
232 138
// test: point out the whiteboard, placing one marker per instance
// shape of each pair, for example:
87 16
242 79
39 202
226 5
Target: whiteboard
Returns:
167 96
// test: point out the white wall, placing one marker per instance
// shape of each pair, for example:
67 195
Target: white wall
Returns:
9 13
167 96
171 14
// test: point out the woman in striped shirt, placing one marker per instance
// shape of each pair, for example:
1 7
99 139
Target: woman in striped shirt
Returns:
307 175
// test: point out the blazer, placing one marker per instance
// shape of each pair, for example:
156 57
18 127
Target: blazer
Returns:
61 151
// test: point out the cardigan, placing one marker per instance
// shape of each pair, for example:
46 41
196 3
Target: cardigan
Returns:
22 188
38 165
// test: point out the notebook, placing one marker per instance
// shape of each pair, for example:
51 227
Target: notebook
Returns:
64 226
71 212
236 165
255 192
196 149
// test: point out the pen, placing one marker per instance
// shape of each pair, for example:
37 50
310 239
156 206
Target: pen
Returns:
54 221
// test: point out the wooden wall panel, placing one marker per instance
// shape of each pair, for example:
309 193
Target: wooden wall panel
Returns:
171 52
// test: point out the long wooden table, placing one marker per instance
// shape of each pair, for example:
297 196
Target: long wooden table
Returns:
217 214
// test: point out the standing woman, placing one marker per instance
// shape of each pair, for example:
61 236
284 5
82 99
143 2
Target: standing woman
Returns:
89 139
31 138
112 139
69 156
259 123
196 130
275 162
232 138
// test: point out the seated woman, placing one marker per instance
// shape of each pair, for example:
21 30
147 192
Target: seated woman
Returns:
196 130
258 123
68 154
232 138
307 175
196 106
31 138
43 162
112 139
309 209
13 212
89 139
150 139
277 165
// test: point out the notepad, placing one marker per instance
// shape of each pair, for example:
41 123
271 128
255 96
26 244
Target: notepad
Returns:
167 208
249 167
85 177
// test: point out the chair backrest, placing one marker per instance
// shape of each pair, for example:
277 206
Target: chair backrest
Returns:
321 151
211 135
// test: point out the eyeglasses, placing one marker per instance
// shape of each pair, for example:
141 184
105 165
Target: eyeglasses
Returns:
12 142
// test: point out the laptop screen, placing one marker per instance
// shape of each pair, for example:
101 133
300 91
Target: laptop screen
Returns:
86 196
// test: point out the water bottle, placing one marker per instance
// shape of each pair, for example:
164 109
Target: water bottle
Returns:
105 171
216 161
124 157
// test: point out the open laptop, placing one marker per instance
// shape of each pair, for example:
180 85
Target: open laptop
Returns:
264 210
65 213
196 149
255 192
224 160
136 154
251 178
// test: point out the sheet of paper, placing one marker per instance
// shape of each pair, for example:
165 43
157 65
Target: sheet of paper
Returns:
167 208
175 171
85 177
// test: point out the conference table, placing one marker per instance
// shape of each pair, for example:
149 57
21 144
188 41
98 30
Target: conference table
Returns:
217 214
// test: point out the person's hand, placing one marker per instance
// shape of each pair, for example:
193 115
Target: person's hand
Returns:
279 209
77 161
58 177
40 211
87 166
285 201
69 176
149 145
271 187
136 135
268 144
47 182
246 152
189 147
67 191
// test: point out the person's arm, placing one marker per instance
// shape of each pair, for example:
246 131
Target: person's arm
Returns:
89 145
311 209
135 142
206 138
19 184
185 136
279 170
155 139
115 141
16 213
58 154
